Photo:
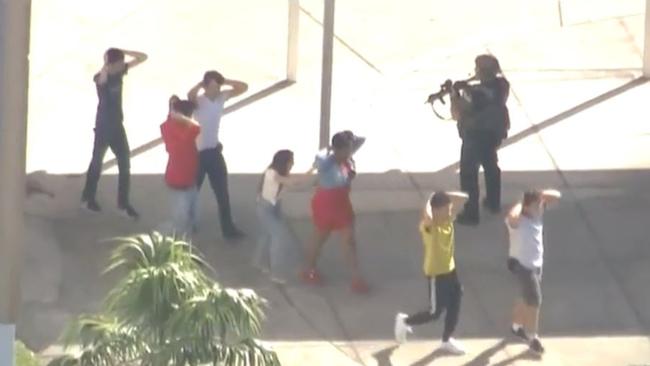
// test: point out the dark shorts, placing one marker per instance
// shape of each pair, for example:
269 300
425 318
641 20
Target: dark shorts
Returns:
530 281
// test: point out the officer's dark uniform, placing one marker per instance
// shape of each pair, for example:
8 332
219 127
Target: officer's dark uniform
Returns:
482 130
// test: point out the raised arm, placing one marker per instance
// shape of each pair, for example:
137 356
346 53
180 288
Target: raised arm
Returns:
102 76
237 88
551 196
183 119
293 180
194 92
458 200
137 58
512 219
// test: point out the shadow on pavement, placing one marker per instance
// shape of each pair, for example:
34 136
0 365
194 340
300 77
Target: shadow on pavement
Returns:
524 355
483 358
426 360
593 279
535 128
383 356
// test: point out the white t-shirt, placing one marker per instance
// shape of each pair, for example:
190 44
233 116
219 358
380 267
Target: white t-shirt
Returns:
270 186
527 242
208 113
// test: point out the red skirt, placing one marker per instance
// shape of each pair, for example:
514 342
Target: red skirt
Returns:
331 209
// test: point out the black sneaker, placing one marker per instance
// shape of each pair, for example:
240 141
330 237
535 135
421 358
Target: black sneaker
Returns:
91 205
233 234
520 333
463 219
536 346
128 211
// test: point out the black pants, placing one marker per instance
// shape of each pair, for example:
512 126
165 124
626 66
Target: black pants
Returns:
446 296
212 164
115 139
480 150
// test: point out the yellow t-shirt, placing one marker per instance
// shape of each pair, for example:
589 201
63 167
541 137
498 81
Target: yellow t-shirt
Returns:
438 242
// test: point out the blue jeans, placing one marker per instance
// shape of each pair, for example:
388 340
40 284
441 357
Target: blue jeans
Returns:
183 208
277 249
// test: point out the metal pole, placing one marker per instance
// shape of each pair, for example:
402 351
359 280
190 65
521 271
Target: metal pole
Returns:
292 43
326 80
14 76
646 42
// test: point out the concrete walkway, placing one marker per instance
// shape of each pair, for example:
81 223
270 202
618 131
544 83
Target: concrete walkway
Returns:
578 125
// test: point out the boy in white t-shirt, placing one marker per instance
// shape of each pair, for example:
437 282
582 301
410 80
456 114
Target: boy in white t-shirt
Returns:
526 256
210 107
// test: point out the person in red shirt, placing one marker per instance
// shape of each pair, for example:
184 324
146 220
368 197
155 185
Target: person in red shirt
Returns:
179 134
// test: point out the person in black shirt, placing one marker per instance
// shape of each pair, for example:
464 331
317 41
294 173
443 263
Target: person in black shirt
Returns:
109 130
483 123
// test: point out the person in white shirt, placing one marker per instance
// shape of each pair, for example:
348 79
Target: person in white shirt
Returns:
209 110
276 245
526 256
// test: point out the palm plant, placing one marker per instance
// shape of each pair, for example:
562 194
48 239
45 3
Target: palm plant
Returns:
167 311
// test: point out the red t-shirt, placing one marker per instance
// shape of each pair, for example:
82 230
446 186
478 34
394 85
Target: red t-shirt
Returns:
180 143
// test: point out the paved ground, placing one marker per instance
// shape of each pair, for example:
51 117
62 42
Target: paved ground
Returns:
577 125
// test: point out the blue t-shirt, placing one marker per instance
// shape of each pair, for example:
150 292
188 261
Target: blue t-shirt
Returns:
331 174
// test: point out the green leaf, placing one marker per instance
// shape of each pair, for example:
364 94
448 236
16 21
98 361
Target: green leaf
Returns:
166 310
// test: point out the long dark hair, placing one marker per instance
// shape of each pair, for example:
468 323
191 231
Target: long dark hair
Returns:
281 160
280 164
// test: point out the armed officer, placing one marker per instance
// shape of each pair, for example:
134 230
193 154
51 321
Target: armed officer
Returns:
483 122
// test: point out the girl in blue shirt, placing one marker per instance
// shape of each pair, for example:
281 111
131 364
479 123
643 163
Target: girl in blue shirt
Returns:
331 206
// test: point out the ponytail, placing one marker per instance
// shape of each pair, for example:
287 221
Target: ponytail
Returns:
172 102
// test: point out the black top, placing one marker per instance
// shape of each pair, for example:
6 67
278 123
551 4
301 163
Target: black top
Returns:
489 112
109 107
490 92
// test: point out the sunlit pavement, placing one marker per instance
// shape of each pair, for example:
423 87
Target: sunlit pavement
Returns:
579 124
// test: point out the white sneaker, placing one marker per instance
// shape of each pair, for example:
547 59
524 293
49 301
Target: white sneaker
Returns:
453 346
401 328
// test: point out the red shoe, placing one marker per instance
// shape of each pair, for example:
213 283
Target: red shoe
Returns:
311 277
359 286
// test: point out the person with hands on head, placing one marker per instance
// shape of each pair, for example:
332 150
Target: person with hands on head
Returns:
109 130
444 290
209 110
179 134
277 246
525 223
332 209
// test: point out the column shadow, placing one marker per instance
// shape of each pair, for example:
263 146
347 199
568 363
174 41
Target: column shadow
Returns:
272 89
483 358
426 360
383 356
536 128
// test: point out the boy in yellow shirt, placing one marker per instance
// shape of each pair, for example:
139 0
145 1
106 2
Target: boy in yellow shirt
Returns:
444 288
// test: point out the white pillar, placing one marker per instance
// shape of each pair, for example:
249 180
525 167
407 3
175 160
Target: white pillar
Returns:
14 74
646 41
326 79
292 42
7 338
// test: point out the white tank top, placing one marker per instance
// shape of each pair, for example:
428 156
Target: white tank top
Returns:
270 186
